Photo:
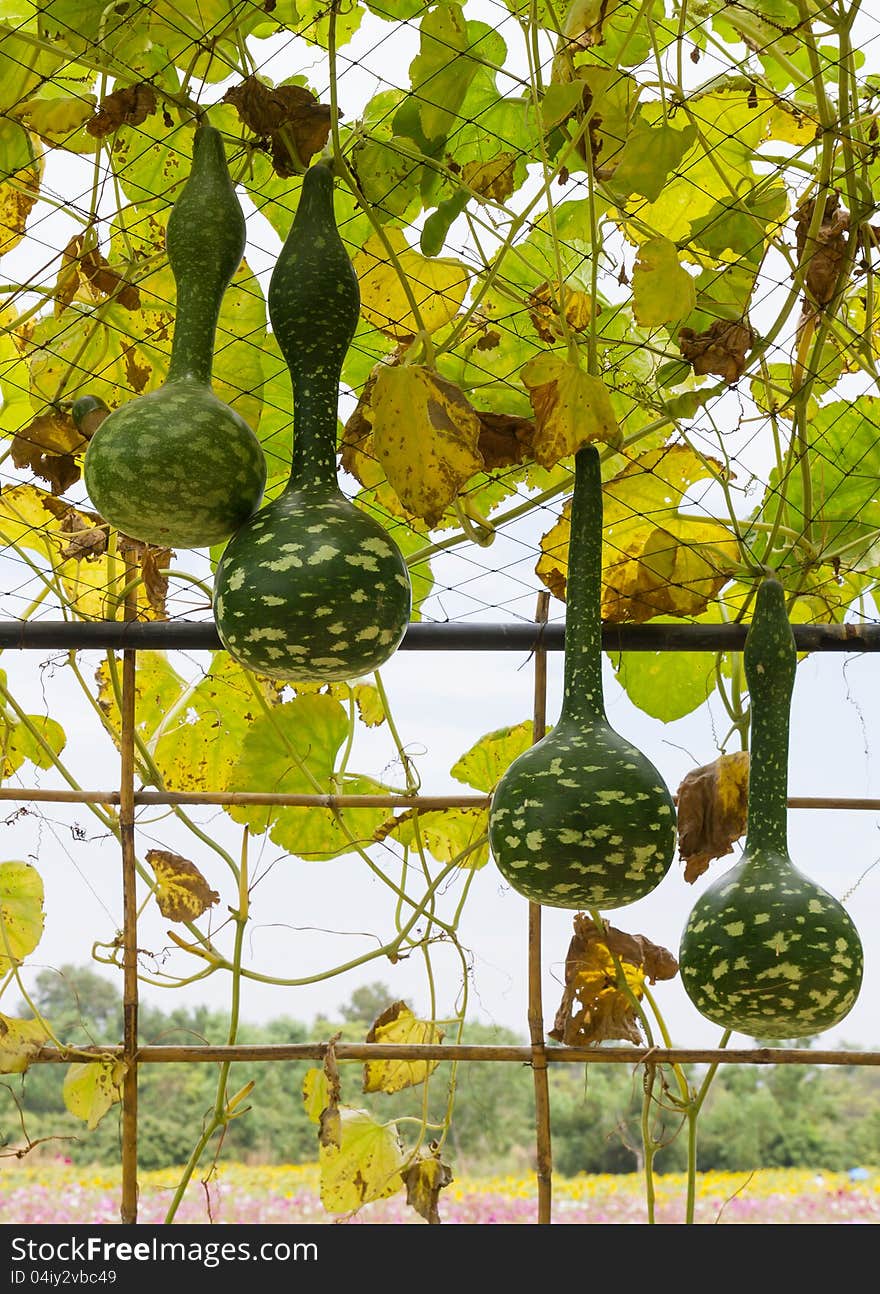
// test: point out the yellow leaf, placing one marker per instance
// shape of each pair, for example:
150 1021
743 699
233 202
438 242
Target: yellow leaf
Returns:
315 1094
438 285
792 125
445 833
20 178
662 288
56 119
157 688
181 890
365 1166
369 704
21 912
20 1040
484 764
91 1088
425 435
572 408
492 179
397 1024
712 811
656 559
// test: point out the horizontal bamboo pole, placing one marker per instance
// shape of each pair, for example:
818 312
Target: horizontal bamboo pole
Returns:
518 636
199 1053
423 802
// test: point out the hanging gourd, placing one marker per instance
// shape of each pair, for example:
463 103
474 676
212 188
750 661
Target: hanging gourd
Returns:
178 467
312 587
766 951
582 819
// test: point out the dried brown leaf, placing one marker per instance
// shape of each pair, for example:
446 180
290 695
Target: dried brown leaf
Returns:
493 180
126 107
546 304
506 439
826 255
87 540
721 349
424 1179
90 267
289 117
330 1121
48 446
711 811
594 1005
154 563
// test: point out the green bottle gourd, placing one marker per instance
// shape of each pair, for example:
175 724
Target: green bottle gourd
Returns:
178 467
582 819
766 951
312 587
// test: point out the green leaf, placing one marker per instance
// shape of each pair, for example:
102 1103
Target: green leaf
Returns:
483 765
20 744
442 71
662 288
559 102
668 685
739 223
21 912
650 155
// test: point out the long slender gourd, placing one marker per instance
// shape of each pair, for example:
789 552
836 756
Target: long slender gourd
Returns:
582 819
178 467
312 587
765 950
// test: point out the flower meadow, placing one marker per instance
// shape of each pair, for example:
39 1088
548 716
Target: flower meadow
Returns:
46 1192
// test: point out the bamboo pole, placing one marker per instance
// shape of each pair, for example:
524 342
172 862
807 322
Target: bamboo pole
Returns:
62 796
519 1054
129 1203
543 1140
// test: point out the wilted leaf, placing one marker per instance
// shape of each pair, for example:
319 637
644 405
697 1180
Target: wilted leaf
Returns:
712 810
825 255
595 1006
128 106
425 437
506 440
365 1166
55 119
438 285
424 1179
484 764
398 1024
585 20
21 173
47 446
656 560
90 267
546 305
315 1094
572 408
369 704
20 1040
296 125
721 349
445 833
182 892
91 1088
662 288
21 912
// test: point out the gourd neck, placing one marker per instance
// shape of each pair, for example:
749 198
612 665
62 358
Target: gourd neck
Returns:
314 306
583 698
770 659
202 266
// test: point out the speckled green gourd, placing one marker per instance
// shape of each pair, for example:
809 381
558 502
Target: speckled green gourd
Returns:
311 587
582 819
765 951
178 467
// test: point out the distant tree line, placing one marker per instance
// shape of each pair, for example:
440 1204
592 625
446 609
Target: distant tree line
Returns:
822 1117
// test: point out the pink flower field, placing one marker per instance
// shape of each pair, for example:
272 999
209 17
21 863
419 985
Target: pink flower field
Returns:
55 1192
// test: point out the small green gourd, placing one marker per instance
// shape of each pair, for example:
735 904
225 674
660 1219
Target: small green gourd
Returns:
582 819
178 467
766 951
311 587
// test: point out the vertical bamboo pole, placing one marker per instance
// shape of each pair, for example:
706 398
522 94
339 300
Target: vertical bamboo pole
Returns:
536 1007
129 1205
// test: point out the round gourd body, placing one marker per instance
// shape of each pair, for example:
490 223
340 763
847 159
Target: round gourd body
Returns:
312 588
132 467
582 820
769 953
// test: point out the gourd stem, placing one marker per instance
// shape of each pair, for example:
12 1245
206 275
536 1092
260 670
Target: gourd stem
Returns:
583 698
202 270
314 305
770 659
